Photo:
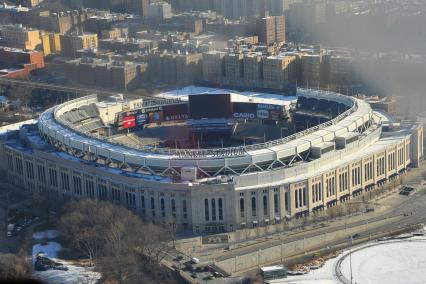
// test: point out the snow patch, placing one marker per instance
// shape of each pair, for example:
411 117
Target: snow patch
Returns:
49 234
49 249
390 262
74 275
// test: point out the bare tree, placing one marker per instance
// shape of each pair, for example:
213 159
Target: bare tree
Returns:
13 268
119 243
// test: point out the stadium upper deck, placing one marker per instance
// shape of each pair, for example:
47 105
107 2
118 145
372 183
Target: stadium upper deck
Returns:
278 153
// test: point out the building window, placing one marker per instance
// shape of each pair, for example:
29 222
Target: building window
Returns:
41 173
253 206
65 181
30 169
10 162
213 201
286 201
130 200
102 191
143 202
173 206
184 209
276 207
152 206
220 205
116 194
19 166
152 203
77 185
162 207
53 178
90 189
265 205
206 209
242 207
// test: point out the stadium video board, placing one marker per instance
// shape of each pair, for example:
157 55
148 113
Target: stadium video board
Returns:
210 106
129 121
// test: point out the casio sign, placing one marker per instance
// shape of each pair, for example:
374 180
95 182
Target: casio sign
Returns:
245 115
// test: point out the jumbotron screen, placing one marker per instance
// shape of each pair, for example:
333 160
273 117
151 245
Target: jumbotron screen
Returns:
210 106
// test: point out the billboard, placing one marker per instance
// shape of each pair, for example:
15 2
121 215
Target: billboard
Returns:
129 121
156 116
210 106
244 110
142 119
175 112
268 111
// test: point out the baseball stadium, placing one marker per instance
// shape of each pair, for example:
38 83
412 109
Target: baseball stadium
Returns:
213 160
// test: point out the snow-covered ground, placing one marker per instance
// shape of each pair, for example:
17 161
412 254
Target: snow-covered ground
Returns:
49 249
15 126
48 234
75 274
237 96
390 262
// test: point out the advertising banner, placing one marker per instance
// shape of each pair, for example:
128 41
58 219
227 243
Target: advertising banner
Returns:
175 112
142 119
129 122
156 117
268 111
244 110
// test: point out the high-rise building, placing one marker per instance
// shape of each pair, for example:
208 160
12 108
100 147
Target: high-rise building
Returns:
271 29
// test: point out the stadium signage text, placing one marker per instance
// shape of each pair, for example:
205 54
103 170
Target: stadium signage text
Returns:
268 107
245 115
216 153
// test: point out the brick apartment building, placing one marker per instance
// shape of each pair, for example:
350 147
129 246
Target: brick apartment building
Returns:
18 63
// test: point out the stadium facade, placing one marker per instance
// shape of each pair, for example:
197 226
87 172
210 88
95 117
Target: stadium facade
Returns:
219 189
